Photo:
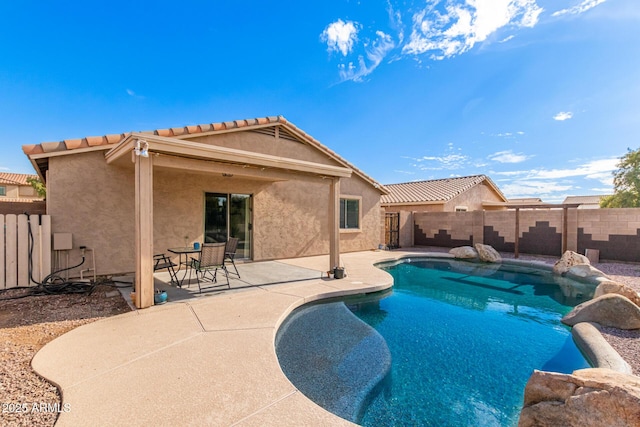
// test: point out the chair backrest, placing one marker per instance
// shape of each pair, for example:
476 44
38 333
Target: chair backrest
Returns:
232 245
212 254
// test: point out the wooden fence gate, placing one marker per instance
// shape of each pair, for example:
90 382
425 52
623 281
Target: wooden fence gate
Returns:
25 249
392 230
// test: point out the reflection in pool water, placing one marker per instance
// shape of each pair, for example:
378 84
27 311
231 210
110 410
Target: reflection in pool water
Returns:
463 338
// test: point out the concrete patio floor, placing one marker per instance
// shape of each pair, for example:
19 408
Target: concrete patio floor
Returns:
203 359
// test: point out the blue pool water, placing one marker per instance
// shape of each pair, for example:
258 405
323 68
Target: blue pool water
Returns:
463 339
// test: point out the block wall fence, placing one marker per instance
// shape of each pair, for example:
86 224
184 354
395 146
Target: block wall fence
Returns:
613 232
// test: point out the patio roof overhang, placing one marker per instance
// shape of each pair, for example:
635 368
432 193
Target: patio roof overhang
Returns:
183 154
195 156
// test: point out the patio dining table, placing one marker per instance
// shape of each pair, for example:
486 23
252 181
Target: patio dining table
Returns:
183 252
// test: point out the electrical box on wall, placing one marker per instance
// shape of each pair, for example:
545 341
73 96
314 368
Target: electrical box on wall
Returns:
62 241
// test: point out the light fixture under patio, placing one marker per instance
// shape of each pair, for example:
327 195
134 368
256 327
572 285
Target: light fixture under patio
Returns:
141 148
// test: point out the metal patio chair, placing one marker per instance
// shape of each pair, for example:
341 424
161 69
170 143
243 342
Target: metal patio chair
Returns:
211 260
160 262
230 253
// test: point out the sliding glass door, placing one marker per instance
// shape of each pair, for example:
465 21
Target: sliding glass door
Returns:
228 215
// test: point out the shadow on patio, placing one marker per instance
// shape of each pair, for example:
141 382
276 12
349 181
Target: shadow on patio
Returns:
252 274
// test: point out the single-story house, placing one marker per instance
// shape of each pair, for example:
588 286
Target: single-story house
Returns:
281 192
17 195
458 194
465 193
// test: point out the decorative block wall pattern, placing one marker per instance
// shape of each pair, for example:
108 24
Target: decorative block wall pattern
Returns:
614 232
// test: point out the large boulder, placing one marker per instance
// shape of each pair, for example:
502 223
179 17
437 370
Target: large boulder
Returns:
464 252
487 253
588 397
611 287
611 310
568 260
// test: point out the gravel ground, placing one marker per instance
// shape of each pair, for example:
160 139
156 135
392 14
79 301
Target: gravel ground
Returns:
27 324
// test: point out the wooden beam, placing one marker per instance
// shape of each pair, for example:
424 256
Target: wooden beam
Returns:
198 150
144 231
334 224
194 165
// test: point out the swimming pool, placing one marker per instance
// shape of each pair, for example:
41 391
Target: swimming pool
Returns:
453 344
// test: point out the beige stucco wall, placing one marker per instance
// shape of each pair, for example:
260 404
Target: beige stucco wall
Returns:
19 192
473 198
95 202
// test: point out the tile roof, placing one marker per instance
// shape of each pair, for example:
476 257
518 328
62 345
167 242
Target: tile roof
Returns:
19 200
112 140
591 200
436 190
524 200
15 178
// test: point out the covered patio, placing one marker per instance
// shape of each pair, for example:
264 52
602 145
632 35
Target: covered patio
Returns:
282 193
146 153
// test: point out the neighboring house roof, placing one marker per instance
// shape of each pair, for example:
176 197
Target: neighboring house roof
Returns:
19 200
583 200
436 190
40 153
15 178
526 200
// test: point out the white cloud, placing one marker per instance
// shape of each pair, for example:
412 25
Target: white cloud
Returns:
596 169
453 159
580 8
132 94
563 115
340 36
508 157
546 183
457 27
533 188
600 170
375 52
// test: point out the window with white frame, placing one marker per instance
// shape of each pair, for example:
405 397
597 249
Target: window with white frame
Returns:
3 190
349 213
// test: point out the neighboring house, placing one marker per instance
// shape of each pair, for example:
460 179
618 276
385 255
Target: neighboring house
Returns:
18 196
467 193
265 181
584 202
460 194
528 201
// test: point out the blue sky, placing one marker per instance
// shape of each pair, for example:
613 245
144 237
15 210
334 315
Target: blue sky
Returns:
543 96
